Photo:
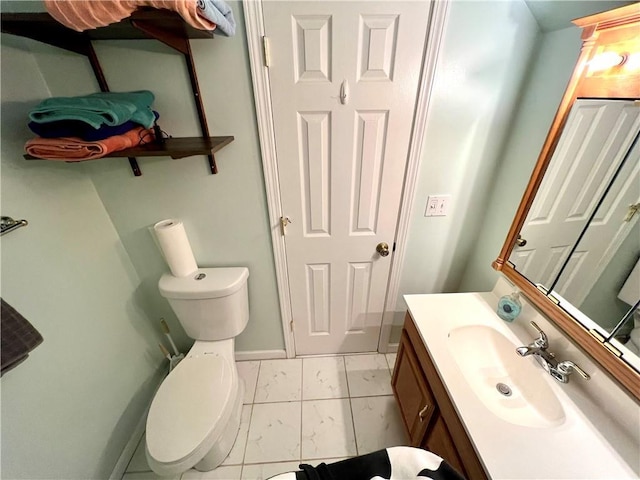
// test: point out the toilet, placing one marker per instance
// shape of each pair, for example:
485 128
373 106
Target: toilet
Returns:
194 417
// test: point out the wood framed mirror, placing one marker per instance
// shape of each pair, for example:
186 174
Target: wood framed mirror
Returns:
608 69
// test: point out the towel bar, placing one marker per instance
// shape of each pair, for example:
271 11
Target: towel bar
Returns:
8 224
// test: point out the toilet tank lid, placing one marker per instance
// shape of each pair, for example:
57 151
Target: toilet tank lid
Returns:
204 283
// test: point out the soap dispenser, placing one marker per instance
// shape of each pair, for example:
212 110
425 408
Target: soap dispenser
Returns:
509 307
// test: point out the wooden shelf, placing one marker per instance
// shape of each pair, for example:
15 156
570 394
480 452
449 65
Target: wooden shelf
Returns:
163 25
177 147
172 147
43 27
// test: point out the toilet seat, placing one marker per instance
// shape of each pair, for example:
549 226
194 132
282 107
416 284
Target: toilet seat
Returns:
189 412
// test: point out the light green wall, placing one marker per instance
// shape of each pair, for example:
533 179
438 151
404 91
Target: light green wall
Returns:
557 54
483 61
70 408
90 261
225 215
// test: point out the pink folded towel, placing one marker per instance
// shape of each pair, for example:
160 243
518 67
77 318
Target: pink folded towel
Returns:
83 15
74 149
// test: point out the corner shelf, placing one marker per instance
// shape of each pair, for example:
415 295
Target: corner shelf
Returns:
163 25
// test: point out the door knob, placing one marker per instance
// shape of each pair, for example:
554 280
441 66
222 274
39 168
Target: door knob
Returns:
521 242
383 249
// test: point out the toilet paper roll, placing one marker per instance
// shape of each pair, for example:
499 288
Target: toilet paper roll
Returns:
175 246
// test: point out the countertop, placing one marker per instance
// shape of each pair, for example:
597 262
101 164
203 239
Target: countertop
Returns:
573 449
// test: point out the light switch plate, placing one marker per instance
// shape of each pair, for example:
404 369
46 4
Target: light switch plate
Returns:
437 205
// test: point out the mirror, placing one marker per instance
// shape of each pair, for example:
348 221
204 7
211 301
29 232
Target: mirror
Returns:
569 249
580 238
597 278
591 148
626 336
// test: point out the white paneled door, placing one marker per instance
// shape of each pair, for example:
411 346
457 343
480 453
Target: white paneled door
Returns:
343 79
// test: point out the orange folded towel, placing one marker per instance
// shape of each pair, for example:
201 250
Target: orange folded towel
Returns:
74 149
83 15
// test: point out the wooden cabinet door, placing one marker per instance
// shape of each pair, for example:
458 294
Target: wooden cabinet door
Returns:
438 440
441 430
412 392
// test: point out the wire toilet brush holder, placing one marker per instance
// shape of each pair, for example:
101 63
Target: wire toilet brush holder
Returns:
177 356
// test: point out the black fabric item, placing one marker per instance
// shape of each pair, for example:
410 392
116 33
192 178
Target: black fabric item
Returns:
307 472
444 472
321 472
381 464
363 467
18 337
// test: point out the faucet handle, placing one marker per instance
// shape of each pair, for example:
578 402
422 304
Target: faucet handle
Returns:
568 366
542 340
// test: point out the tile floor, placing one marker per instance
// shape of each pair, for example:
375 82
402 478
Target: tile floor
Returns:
305 410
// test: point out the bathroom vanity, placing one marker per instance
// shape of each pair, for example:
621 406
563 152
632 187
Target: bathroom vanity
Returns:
466 395
425 404
472 387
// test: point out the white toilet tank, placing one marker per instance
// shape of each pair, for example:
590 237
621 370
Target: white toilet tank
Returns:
211 303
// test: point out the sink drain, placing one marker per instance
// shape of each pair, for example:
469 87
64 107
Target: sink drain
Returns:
504 389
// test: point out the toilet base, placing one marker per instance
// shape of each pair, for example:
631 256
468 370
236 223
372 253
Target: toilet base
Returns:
221 449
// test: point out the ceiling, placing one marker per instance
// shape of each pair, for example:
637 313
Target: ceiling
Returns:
557 14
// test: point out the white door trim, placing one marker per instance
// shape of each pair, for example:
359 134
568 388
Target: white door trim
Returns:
254 25
435 34
260 75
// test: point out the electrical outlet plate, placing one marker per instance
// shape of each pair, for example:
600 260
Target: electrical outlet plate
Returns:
437 205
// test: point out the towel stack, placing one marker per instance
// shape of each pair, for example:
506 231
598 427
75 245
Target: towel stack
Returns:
74 129
18 337
82 15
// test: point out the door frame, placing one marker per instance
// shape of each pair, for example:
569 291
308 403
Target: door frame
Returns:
254 25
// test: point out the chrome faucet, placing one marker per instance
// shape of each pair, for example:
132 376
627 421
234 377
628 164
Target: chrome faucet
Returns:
558 370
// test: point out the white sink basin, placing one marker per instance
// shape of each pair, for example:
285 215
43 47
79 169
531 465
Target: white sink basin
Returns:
489 362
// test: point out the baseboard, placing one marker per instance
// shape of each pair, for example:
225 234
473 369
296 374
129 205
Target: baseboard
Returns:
260 355
392 347
129 449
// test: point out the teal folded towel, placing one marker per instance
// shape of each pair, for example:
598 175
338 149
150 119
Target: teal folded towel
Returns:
97 109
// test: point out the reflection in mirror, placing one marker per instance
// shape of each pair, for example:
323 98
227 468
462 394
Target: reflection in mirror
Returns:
593 145
626 337
596 276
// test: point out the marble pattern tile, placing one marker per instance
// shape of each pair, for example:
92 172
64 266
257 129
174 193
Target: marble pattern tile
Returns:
327 429
314 462
279 381
274 433
236 455
378 423
263 471
248 371
288 422
138 462
220 473
324 377
368 375
391 360
147 476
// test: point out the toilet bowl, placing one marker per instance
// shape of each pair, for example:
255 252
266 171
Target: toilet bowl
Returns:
194 417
